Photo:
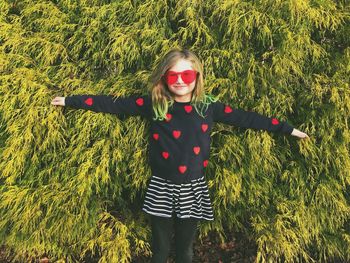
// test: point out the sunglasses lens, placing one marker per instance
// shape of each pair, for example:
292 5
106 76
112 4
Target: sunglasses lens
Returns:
188 76
171 77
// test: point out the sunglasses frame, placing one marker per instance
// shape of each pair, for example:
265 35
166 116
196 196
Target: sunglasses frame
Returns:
179 73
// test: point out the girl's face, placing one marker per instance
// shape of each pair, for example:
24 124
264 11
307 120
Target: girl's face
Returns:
181 80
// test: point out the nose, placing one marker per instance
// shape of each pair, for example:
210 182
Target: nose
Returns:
179 79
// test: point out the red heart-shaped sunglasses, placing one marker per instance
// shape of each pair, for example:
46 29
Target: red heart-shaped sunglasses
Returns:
187 76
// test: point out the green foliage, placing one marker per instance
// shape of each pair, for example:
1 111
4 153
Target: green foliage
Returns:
72 181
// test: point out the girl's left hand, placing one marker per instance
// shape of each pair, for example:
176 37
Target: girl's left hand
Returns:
299 134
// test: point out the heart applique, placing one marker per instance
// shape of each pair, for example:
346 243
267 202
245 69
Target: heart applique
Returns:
275 121
188 108
168 117
176 134
182 168
228 109
139 101
89 101
204 127
156 136
205 163
165 155
196 150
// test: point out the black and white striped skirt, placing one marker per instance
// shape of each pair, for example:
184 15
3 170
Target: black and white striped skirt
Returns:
163 198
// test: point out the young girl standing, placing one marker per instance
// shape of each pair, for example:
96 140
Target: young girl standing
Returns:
181 116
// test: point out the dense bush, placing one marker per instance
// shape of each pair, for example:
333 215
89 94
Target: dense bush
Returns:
73 181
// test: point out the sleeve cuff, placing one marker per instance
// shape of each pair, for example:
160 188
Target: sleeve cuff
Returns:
67 101
287 128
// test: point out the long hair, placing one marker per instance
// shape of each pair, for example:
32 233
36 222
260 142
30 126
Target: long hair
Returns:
161 96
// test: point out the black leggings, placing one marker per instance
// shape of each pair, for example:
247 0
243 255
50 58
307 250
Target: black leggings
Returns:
185 233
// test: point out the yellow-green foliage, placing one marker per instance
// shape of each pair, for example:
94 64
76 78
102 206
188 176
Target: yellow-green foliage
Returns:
73 181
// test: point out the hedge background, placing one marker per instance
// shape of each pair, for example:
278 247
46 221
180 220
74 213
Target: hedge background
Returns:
73 181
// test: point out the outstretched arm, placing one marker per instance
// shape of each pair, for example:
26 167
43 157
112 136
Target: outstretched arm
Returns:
133 105
227 114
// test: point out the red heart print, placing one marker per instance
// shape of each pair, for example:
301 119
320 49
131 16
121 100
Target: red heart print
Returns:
165 155
204 127
228 109
89 101
182 168
176 134
168 117
196 149
139 101
155 136
205 163
188 108
275 121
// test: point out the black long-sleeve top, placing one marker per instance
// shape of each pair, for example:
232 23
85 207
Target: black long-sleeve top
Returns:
178 146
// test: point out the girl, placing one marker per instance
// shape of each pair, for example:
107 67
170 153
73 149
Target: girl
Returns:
181 117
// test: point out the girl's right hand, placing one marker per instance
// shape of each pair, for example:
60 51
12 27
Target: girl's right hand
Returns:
58 101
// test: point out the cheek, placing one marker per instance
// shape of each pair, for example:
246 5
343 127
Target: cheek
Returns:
192 85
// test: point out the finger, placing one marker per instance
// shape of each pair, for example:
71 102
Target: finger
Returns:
55 102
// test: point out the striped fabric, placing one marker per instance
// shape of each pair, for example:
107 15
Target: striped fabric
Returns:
163 198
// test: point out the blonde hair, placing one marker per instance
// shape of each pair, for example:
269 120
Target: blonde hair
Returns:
162 98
